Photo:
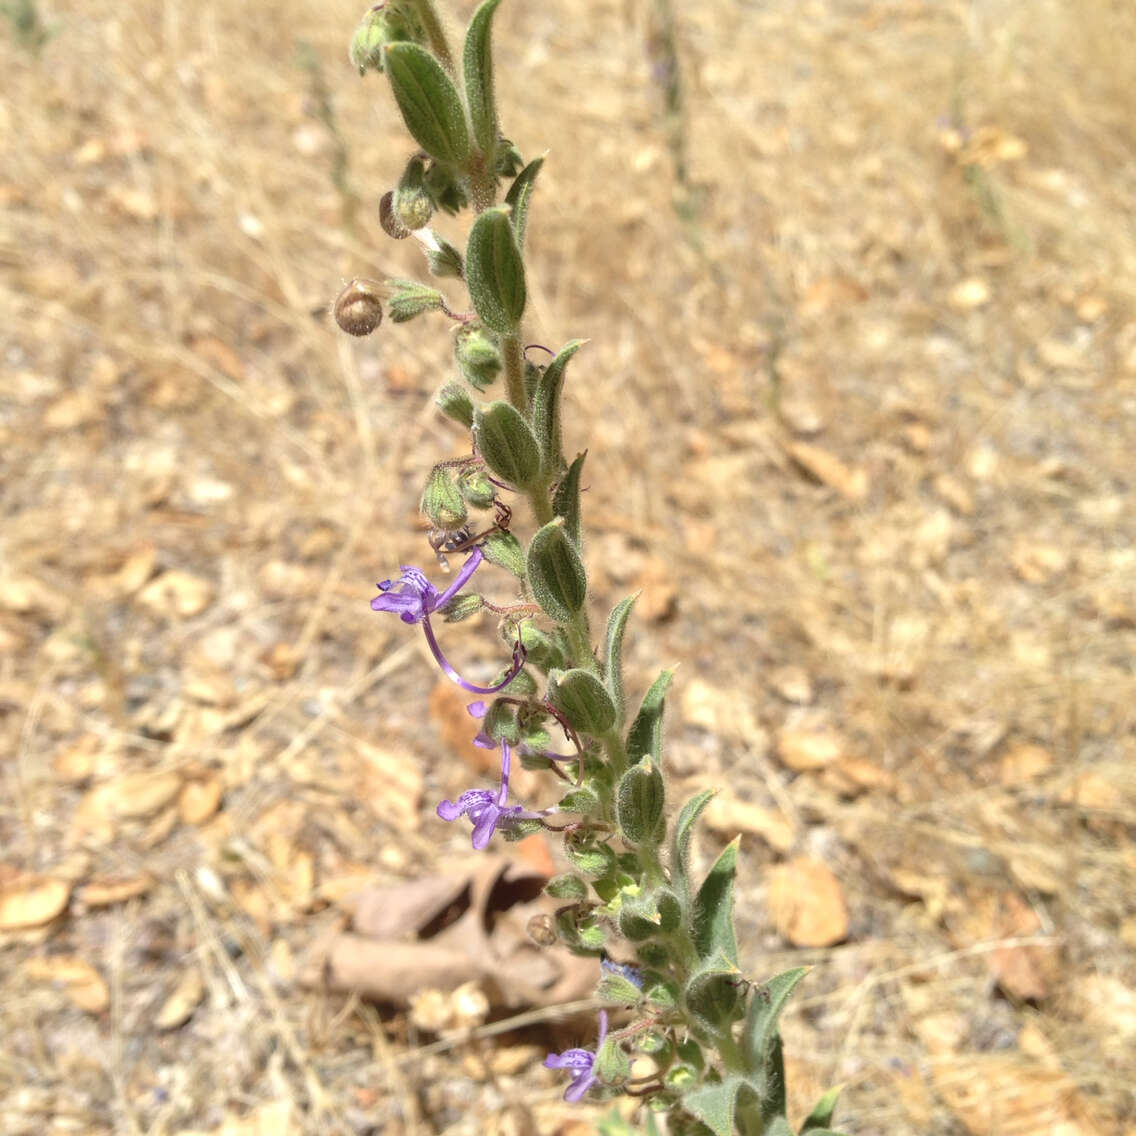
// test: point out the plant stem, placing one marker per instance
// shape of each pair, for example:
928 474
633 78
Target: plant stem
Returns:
436 34
515 376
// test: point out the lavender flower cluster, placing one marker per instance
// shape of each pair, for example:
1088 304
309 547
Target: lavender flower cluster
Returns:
704 1039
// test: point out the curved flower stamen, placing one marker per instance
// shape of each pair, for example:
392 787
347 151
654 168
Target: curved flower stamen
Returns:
414 599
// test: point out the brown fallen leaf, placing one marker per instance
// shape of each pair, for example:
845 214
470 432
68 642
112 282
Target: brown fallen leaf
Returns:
729 816
793 684
829 470
182 1001
107 892
465 928
801 748
199 800
806 903
32 901
1009 1096
80 981
176 593
1025 972
1024 762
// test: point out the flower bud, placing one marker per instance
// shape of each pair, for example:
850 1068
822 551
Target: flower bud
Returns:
390 223
358 310
412 204
442 500
454 403
479 360
476 487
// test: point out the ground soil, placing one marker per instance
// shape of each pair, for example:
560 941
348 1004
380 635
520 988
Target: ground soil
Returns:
860 407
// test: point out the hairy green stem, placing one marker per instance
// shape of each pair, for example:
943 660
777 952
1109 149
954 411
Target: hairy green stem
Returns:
515 376
436 34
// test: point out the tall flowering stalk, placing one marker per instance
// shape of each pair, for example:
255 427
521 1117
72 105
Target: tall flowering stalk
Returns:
708 1037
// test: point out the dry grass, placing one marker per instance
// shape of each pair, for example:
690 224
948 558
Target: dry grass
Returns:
958 327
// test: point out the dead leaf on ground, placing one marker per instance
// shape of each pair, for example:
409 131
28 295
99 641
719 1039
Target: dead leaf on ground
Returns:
793 684
182 1001
80 981
176 593
107 892
729 816
1024 762
803 748
449 931
850 482
1025 972
32 901
806 903
1007 1096
199 800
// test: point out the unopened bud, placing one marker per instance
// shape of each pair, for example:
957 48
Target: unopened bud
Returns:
358 310
442 500
412 204
390 223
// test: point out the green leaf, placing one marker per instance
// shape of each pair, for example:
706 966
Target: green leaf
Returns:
714 1105
566 499
646 733
520 196
504 440
430 104
494 271
477 62
504 550
714 907
546 408
454 403
613 654
778 1126
639 804
771 1082
584 701
408 299
566 887
556 573
711 995
683 834
820 1118
765 1005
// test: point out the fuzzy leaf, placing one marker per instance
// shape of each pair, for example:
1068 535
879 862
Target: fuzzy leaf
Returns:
646 734
494 272
714 907
639 804
520 196
477 63
556 573
546 408
504 440
613 654
566 499
408 299
429 102
765 1006
818 1121
683 834
584 701
714 1105
504 550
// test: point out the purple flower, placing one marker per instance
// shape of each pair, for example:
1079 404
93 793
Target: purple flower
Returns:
488 811
624 970
580 1063
414 599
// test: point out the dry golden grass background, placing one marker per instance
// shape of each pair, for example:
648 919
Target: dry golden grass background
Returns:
862 428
